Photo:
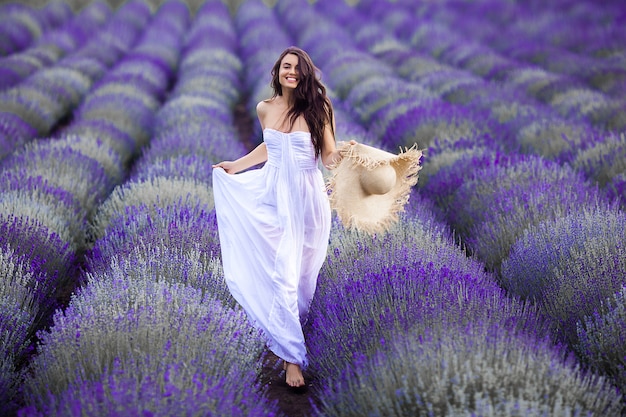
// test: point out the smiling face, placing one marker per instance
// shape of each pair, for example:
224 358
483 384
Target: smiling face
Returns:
288 74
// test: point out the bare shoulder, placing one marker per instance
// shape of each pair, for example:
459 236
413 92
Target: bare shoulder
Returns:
263 108
264 105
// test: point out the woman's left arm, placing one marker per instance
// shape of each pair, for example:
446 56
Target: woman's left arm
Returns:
330 154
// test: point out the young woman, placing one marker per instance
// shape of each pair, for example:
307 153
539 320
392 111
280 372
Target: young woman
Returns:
274 222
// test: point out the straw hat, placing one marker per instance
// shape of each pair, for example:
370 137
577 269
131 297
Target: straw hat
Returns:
369 186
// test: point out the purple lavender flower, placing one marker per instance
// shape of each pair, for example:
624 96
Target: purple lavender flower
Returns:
43 247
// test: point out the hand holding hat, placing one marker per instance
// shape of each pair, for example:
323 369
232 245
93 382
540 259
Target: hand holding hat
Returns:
369 186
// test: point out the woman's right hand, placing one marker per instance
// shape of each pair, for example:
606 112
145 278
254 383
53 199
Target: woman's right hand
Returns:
228 166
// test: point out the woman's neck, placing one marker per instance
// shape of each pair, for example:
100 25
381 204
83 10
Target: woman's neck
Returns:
288 98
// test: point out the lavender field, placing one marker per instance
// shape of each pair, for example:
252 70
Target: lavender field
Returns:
500 292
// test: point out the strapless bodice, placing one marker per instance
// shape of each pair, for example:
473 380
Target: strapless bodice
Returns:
293 148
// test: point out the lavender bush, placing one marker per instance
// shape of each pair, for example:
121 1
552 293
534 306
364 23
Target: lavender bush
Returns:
431 121
103 134
603 159
474 198
601 338
447 168
570 265
478 369
14 326
119 393
18 286
58 166
145 329
377 93
50 212
391 280
131 115
555 139
182 240
22 25
513 211
153 193
45 250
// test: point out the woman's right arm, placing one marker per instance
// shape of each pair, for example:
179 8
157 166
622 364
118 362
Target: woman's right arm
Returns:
256 156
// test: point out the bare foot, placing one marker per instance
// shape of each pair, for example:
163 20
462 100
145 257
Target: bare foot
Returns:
294 377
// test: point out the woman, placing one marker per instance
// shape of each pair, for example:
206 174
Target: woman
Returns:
274 222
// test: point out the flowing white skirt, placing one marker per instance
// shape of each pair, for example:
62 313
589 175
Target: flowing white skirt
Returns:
274 225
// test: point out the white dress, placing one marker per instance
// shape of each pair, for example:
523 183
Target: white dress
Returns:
274 226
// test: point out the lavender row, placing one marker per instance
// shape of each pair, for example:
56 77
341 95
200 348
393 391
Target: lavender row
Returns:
155 318
194 128
21 25
558 42
360 335
53 45
565 94
583 40
495 199
426 330
452 50
42 221
40 104
69 175
518 211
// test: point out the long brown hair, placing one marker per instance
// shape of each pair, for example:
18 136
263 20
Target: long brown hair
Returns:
310 98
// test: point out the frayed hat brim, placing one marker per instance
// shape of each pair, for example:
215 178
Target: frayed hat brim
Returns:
366 211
